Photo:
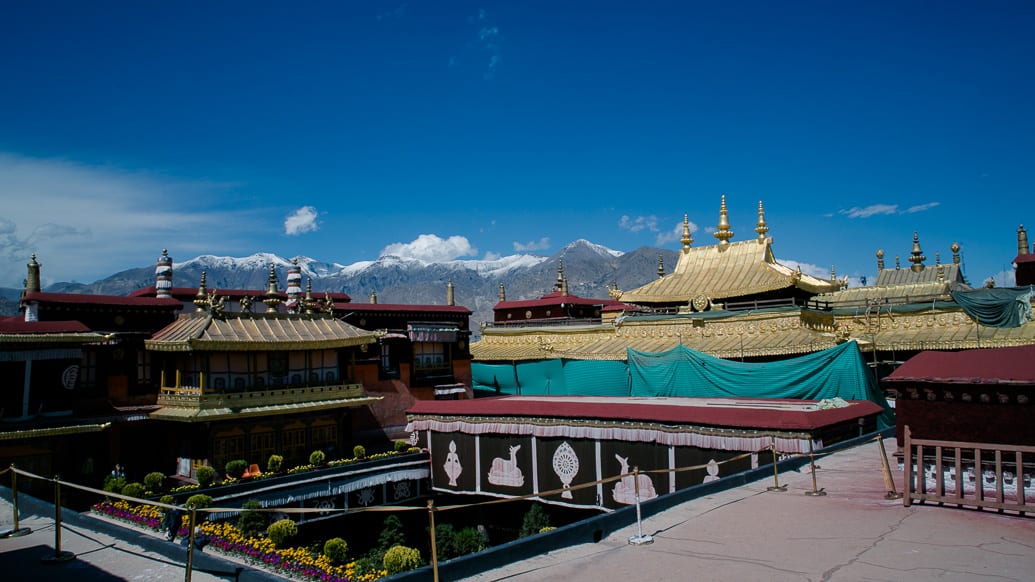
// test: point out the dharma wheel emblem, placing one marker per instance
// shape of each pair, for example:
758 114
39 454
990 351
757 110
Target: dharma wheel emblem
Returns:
566 465
699 303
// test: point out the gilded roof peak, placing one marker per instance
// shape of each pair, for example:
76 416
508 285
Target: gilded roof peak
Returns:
761 228
687 240
916 256
723 232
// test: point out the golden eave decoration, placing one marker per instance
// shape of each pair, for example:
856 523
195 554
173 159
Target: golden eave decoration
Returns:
193 414
202 331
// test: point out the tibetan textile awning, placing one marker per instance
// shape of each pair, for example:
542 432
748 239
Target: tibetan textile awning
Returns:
430 332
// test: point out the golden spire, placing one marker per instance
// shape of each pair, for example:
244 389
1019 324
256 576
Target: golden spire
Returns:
373 297
562 284
1022 241
661 267
272 299
955 248
503 293
450 293
307 299
833 275
724 234
937 259
917 256
761 229
880 260
897 267
32 283
687 240
201 297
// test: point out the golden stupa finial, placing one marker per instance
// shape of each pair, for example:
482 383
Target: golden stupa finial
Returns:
938 265
937 258
761 229
1022 241
503 293
687 239
724 234
897 267
32 282
450 293
880 260
272 298
955 248
562 284
661 267
373 297
917 256
833 274
201 297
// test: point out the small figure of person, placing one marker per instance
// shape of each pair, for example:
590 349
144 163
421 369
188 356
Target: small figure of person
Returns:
171 523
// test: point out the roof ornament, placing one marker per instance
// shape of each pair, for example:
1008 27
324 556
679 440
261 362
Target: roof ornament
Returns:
246 304
661 267
613 291
163 275
328 304
796 275
724 234
761 229
503 293
955 248
32 283
940 267
272 299
450 293
917 256
880 260
294 287
562 284
201 297
373 297
687 240
897 267
1022 241
833 275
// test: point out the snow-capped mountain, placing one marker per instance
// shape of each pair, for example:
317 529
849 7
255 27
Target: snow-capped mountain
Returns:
588 267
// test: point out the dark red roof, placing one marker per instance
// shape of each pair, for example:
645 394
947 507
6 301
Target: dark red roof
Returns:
400 308
1028 258
18 324
188 293
88 299
740 412
1014 365
555 298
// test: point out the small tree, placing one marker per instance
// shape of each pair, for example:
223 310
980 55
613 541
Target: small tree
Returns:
114 484
252 522
534 521
359 451
445 541
236 468
400 559
281 532
134 490
275 464
154 482
391 534
205 475
198 501
317 458
468 541
401 446
336 550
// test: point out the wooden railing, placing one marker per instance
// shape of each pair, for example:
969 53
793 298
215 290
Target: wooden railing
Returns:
996 476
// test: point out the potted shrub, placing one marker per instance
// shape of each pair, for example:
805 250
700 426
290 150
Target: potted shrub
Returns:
235 469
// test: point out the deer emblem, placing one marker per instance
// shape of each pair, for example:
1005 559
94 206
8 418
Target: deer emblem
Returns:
505 472
625 490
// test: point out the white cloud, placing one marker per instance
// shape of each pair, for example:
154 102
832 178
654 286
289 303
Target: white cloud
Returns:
84 222
301 221
875 209
675 234
432 248
639 223
540 245
491 256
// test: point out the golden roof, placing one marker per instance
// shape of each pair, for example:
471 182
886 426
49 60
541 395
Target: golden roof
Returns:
201 331
189 414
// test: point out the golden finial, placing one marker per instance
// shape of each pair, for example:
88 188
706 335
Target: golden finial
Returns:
201 297
272 299
503 293
937 259
833 275
661 267
880 259
761 229
897 267
955 248
724 234
32 283
450 293
613 291
1022 241
560 275
917 256
373 297
687 240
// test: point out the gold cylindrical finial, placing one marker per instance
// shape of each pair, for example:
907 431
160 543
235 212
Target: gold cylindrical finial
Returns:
272 299
687 240
32 282
761 229
373 297
449 293
880 260
1022 241
955 248
917 256
723 233
897 267
201 297
559 283
503 293
661 267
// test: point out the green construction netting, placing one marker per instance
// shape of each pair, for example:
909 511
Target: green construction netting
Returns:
834 372
997 307
500 378
593 378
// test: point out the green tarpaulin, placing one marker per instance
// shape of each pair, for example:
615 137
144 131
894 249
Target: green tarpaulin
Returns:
997 307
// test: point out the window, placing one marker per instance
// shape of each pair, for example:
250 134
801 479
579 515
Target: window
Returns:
325 436
431 362
389 362
261 447
225 448
293 444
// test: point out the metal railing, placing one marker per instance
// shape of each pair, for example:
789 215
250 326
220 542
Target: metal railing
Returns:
981 475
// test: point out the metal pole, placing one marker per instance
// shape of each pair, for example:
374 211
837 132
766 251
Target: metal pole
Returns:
16 531
190 543
889 479
775 487
59 556
638 539
812 463
434 550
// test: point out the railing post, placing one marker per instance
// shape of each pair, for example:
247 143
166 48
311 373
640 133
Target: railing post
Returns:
17 531
434 550
907 493
776 475
190 542
889 479
639 539
812 465
59 556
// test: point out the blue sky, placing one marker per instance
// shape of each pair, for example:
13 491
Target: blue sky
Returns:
444 130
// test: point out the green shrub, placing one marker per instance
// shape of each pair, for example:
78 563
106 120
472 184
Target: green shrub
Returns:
401 446
275 464
359 451
281 532
445 547
316 458
166 499
114 484
134 490
235 469
400 559
154 482
252 522
534 521
391 534
336 550
205 475
198 501
468 541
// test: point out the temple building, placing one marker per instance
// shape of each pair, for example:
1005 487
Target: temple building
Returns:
1024 263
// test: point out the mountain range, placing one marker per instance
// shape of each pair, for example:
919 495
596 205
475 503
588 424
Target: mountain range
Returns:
588 268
